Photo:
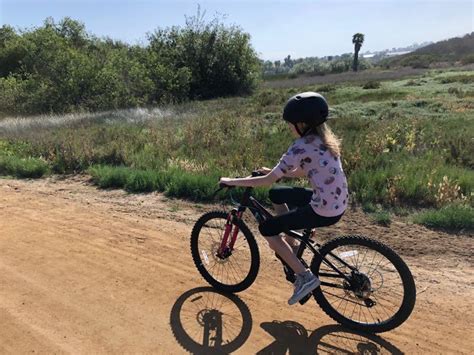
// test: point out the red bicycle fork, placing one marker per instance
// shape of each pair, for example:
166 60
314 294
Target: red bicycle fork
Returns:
232 230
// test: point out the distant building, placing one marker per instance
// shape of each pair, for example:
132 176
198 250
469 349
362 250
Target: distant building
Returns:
392 54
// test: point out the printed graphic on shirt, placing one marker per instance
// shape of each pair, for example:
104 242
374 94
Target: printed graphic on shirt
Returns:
324 171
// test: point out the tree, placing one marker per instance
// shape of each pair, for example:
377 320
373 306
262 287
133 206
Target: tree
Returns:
219 59
357 40
59 66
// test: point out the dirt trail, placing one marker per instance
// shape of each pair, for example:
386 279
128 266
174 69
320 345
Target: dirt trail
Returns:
90 271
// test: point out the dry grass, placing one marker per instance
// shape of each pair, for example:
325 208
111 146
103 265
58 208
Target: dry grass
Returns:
21 126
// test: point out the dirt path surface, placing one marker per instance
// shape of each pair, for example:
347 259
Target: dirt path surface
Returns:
90 271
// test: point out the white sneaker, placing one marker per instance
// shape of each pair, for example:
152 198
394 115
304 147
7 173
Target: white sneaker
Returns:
304 284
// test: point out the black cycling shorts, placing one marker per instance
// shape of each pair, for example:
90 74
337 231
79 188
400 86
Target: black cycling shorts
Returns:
300 216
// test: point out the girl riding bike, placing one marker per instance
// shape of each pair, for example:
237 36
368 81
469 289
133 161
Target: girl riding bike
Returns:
316 155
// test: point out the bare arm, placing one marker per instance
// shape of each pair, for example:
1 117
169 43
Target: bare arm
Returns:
296 173
251 181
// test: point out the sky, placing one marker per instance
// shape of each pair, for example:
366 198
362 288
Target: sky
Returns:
300 28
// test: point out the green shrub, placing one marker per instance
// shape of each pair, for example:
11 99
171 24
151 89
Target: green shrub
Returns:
327 88
146 181
414 83
452 217
191 186
369 207
23 168
468 59
109 176
462 78
382 218
59 67
372 85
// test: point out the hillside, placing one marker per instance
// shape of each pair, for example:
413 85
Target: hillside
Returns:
453 50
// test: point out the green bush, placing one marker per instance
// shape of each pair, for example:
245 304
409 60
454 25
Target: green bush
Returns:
191 186
372 85
369 207
146 181
23 168
59 67
382 218
173 182
468 59
464 79
452 217
109 176
220 59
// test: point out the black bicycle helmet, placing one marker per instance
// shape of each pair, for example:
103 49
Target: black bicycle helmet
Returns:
308 107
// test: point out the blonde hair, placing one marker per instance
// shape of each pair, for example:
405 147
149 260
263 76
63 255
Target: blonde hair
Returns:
330 140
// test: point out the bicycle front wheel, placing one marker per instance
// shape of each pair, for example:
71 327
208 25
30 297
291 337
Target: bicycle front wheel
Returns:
236 268
377 292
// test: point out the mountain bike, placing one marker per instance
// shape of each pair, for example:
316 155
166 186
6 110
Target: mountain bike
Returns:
365 285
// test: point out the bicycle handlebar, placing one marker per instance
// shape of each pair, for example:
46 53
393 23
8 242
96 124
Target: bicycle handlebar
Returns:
222 185
255 173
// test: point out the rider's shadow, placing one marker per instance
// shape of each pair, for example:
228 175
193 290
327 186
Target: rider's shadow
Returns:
293 338
205 321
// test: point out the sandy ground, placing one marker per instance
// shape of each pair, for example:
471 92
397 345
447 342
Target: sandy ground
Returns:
90 271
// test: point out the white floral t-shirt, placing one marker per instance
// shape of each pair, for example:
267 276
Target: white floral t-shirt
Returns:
324 171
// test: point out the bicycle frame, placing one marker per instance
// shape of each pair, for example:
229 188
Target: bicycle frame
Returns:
261 214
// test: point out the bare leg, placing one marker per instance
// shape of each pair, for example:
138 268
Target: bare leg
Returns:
281 247
280 209
284 246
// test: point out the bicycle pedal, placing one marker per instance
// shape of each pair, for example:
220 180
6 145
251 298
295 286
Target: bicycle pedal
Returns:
305 298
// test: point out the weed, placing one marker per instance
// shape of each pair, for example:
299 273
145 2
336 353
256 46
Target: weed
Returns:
382 218
454 217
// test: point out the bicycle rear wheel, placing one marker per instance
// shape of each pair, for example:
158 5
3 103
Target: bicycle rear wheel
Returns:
378 292
233 270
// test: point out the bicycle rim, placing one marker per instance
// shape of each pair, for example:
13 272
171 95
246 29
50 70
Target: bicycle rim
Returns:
380 292
233 270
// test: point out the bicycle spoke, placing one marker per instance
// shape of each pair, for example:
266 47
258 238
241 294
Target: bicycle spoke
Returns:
385 286
231 269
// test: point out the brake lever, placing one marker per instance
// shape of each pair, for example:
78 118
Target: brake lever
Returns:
222 186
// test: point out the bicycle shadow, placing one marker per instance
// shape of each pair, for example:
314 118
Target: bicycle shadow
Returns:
204 321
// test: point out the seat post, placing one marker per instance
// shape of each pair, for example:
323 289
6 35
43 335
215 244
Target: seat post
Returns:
307 233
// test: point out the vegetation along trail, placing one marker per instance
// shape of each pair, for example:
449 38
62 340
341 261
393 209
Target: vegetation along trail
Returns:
85 271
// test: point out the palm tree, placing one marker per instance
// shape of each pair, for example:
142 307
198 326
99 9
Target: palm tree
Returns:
357 39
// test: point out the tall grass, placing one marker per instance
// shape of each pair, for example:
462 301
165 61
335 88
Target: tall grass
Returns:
453 217
173 182
22 168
